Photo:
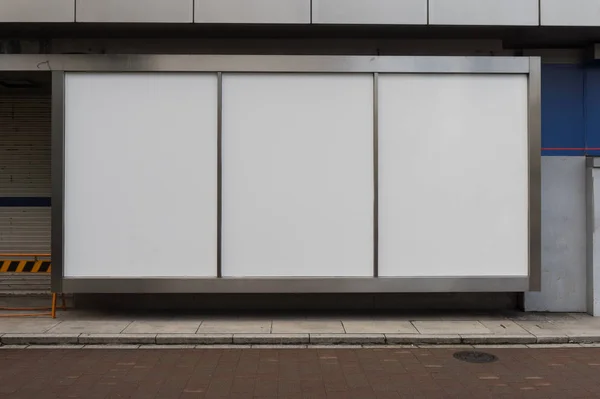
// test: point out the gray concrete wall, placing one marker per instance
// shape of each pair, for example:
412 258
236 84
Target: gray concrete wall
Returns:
400 12
563 237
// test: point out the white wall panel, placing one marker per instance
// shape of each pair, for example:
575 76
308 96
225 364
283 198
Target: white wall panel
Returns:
37 10
297 175
570 13
484 12
135 11
407 12
141 175
252 11
453 175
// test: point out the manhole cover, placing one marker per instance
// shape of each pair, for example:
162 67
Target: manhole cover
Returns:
475 357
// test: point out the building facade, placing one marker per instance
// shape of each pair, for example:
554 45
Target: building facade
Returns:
563 33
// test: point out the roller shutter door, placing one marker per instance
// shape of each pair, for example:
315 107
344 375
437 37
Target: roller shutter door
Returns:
25 177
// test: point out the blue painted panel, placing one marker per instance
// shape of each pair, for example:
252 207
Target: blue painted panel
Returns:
563 127
592 110
25 202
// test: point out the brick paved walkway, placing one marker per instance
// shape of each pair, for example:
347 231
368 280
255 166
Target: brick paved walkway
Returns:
297 373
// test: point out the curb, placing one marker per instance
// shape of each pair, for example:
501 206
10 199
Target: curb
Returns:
291 339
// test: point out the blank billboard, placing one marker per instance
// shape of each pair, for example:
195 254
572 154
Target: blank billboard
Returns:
140 175
297 175
453 175
303 159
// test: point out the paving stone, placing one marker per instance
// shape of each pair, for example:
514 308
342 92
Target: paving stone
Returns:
516 346
124 346
548 316
174 347
378 327
230 346
552 346
273 339
27 326
504 327
235 326
457 346
557 331
585 339
308 327
334 347
55 347
583 331
455 327
552 339
498 339
279 346
416 339
117 339
163 327
492 316
39 339
194 339
89 327
13 346
358 339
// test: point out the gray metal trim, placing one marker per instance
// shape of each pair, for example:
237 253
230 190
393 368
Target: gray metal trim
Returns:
262 63
428 12
333 64
58 174
593 162
535 177
297 285
219 172
589 228
375 175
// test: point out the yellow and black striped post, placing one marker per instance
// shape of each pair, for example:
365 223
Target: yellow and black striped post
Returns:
25 266
29 266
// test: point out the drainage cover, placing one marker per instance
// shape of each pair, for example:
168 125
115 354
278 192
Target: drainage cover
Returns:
475 357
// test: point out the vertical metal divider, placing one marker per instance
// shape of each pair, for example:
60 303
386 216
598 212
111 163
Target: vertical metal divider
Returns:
375 174
58 179
428 5
219 170
535 183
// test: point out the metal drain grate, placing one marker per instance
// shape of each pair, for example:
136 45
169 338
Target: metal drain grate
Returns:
475 357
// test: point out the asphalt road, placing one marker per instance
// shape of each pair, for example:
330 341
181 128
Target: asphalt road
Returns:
297 373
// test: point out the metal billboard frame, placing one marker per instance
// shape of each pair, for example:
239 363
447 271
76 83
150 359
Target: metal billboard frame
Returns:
60 64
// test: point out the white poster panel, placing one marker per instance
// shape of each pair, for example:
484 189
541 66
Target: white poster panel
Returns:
453 175
141 175
297 175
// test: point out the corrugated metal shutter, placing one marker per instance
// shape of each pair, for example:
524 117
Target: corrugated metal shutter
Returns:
25 176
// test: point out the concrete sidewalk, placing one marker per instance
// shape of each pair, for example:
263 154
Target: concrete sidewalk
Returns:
93 328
